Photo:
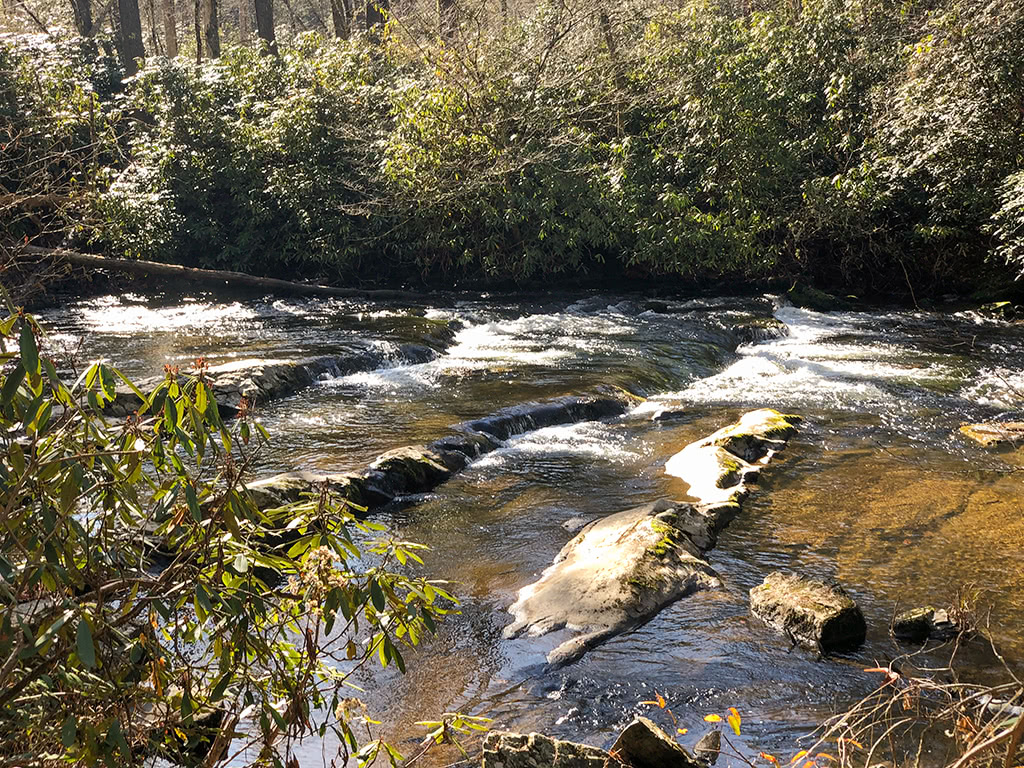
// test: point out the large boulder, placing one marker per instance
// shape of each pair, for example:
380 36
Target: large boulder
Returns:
811 613
534 750
644 745
615 574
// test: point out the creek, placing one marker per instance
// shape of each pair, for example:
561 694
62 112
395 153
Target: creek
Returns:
878 490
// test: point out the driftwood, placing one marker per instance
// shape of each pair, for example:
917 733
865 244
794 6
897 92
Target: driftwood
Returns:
213 276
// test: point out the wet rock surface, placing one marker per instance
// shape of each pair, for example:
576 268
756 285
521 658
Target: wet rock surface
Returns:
719 467
993 433
260 381
418 469
619 571
644 745
920 624
534 750
616 573
811 613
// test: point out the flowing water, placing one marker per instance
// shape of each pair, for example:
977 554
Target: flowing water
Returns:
877 491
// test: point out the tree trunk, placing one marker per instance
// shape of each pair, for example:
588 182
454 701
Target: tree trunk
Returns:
170 29
244 22
376 13
130 38
214 278
448 19
341 19
198 16
265 23
212 28
83 16
154 39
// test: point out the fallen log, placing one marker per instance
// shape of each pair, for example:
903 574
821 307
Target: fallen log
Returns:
209 276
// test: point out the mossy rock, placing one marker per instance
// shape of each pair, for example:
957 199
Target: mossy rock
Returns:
813 614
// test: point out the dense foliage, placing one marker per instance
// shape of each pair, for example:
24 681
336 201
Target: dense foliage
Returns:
148 607
854 142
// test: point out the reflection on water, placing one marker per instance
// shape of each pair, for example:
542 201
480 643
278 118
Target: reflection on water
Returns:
876 491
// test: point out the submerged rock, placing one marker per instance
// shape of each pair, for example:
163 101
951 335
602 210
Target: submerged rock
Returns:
260 381
503 749
719 467
810 612
760 328
644 745
421 468
920 624
811 298
990 434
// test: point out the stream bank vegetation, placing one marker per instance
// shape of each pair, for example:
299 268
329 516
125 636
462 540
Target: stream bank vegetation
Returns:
149 608
863 145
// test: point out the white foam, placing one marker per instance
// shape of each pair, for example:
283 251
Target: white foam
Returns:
998 387
590 439
826 359
110 315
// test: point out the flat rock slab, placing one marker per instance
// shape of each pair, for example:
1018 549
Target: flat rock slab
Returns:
615 574
993 433
260 381
719 467
534 750
644 745
813 614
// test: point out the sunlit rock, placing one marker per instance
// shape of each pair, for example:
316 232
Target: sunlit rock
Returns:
719 467
615 574
991 434
619 571
534 750
811 613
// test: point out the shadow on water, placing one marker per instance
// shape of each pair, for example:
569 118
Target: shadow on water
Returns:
877 491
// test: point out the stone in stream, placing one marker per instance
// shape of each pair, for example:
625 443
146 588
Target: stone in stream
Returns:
709 747
615 574
719 467
812 298
619 571
418 469
991 434
810 612
920 624
503 749
644 745
641 745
